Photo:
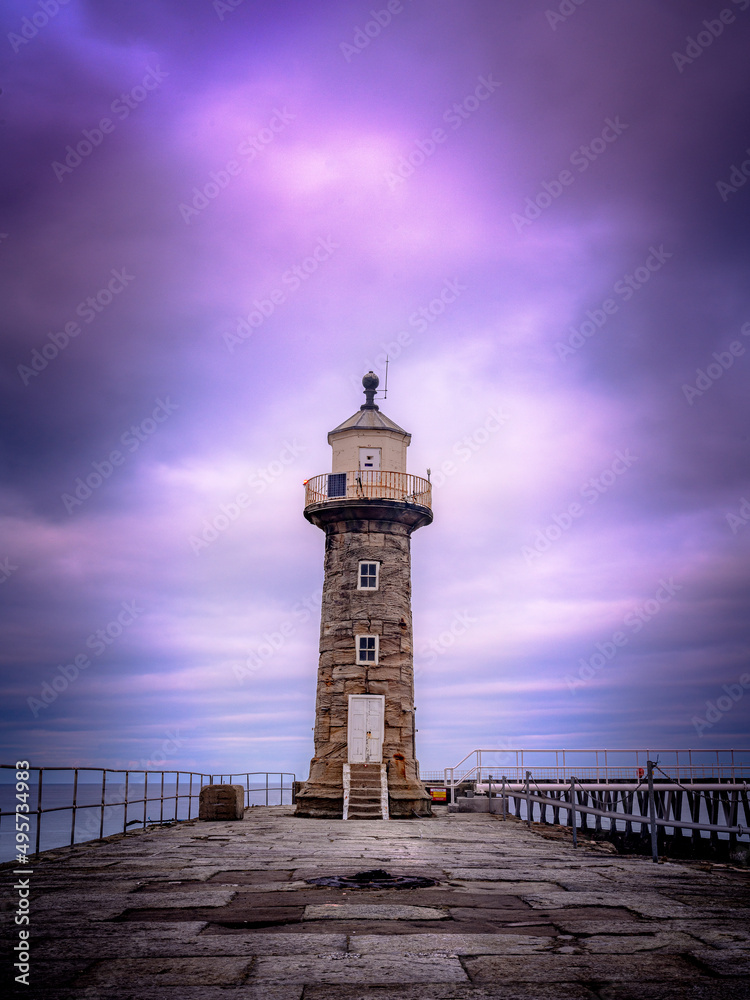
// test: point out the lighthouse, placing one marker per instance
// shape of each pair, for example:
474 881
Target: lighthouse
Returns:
365 765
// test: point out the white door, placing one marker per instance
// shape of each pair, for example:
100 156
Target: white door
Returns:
365 728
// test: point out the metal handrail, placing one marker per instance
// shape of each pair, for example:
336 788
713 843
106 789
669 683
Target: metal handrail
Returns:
372 484
688 764
94 825
569 792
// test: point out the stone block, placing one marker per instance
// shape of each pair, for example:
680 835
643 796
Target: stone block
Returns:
355 970
374 911
221 802
347 673
580 968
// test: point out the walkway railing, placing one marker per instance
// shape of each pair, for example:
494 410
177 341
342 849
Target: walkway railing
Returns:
371 484
691 791
605 765
81 804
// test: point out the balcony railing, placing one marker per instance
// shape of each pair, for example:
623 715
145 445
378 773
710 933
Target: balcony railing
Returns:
371 484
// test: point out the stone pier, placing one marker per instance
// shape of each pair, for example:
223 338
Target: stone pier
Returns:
213 910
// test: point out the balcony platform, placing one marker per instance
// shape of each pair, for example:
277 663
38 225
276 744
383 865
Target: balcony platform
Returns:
368 496
214 910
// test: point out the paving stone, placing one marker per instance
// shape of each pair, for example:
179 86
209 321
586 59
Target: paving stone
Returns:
454 944
230 916
370 969
703 990
150 973
264 991
365 911
505 886
115 904
131 940
724 962
581 968
643 904
484 913
717 935
628 944
458 991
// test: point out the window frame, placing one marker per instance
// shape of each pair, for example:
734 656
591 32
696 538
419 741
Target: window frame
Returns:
368 562
367 635
378 462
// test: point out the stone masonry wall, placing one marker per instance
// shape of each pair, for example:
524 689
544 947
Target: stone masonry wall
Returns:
347 611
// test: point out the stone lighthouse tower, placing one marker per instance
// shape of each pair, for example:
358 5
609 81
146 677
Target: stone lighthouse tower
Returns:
365 763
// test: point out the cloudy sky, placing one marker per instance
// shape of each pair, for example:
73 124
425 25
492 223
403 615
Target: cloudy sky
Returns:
217 216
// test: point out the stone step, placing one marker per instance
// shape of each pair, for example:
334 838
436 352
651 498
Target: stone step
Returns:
360 812
365 791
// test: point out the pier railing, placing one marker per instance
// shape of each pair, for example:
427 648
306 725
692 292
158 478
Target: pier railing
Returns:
693 792
49 807
371 484
594 764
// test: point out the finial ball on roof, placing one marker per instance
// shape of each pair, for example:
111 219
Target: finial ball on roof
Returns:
370 380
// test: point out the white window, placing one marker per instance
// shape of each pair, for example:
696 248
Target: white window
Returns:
367 648
368 577
369 458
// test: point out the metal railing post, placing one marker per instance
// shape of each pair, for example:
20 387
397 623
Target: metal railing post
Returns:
266 787
75 803
573 819
528 800
125 814
505 801
101 817
652 811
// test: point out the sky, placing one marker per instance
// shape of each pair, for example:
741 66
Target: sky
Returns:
216 217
